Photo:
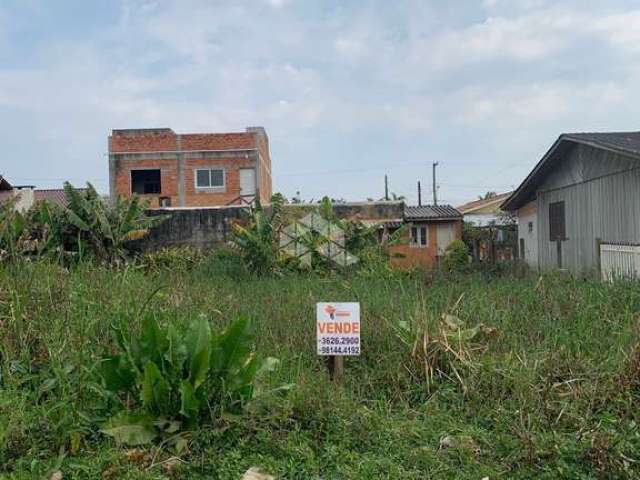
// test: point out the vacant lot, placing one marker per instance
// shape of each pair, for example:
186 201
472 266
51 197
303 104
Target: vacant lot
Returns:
553 392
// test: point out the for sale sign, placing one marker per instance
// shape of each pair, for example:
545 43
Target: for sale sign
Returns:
338 328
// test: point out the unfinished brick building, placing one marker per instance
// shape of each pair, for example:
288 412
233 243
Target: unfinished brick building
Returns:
190 170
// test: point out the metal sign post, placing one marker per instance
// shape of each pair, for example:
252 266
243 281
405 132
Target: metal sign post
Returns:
338 334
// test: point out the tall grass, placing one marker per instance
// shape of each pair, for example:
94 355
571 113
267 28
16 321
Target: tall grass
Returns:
554 394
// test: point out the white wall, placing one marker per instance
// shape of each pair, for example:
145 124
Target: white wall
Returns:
445 236
25 199
484 219
526 215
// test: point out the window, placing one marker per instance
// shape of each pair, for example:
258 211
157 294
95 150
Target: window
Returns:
557 227
419 237
212 178
145 182
530 227
522 255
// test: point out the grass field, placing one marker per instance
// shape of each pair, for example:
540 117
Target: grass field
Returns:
553 393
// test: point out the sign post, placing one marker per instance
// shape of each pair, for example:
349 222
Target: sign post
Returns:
338 333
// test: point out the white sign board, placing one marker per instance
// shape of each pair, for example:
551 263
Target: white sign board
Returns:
338 328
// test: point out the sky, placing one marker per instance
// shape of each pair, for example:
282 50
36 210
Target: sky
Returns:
347 90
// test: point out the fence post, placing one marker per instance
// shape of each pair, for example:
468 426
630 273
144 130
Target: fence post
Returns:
599 256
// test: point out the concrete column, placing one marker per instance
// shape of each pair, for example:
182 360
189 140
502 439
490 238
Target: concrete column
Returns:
180 161
259 133
113 193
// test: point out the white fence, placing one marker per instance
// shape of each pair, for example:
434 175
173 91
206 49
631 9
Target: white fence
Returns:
619 261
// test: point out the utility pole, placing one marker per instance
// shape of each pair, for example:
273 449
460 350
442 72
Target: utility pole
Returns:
386 188
435 188
419 194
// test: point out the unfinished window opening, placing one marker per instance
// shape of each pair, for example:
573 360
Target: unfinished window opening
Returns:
557 224
145 182
419 237
210 178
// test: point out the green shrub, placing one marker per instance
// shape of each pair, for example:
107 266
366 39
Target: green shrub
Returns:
223 262
13 227
176 376
456 256
175 259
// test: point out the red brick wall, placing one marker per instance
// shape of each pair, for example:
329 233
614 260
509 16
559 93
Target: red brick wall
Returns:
196 197
168 142
217 141
139 142
168 178
144 143
264 174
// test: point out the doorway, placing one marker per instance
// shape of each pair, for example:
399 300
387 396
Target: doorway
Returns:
247 182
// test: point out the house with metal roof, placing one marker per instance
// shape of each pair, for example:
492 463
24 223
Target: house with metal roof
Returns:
580 201
431 229
427 230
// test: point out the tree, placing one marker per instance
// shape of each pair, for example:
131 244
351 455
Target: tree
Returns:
487 196
395 197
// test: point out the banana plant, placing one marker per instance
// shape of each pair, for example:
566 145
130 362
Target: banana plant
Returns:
105 229
257 241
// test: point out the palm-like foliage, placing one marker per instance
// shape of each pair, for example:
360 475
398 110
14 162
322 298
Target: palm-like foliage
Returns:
178 375
87 225
102 228
257 241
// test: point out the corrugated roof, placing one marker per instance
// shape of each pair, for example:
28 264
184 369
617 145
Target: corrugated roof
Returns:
382 222
625 143
622 141
427 212
54 195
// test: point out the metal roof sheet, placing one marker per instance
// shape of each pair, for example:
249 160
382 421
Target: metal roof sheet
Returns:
427 212
625 143
622 141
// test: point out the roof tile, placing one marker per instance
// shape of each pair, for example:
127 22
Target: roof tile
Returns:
427 212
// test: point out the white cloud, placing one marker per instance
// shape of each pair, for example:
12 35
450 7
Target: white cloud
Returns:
277 3
350 78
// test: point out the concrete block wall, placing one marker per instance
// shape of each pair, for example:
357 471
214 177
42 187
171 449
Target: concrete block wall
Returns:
208 227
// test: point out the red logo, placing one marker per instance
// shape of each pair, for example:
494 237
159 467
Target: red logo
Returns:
330 310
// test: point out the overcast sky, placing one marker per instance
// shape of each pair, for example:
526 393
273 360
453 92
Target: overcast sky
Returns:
347 90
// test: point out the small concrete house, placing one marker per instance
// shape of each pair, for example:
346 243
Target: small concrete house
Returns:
190 170
26 196
485 212
431 230
583 195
